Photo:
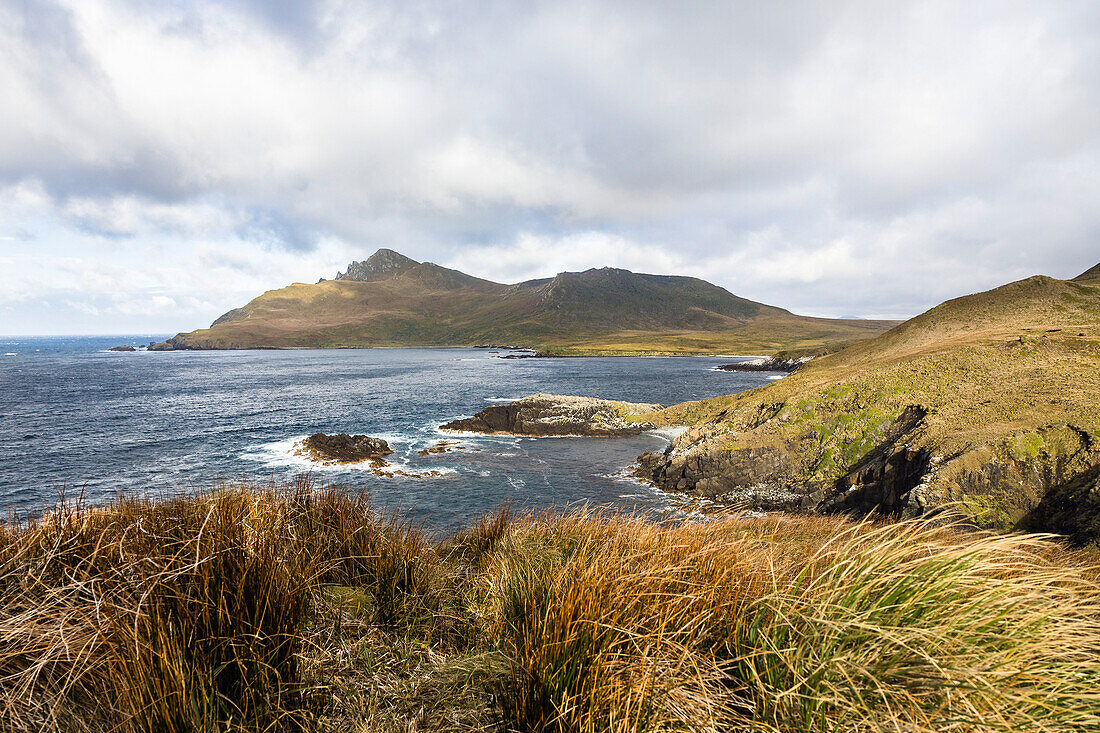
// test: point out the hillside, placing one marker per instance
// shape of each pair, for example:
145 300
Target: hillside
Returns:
989 401
391 300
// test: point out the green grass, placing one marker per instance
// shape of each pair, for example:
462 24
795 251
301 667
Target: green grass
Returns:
266 609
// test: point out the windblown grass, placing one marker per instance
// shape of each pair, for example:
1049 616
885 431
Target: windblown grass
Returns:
256 608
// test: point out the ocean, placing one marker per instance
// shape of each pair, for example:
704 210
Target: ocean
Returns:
78 419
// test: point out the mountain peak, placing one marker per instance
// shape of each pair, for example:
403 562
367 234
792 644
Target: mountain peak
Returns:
383 264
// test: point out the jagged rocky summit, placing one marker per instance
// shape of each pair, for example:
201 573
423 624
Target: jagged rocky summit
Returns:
557 415
385 263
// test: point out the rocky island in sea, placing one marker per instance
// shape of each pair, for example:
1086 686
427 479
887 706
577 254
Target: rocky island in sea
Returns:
545 415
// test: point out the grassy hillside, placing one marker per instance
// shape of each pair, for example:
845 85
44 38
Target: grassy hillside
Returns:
390 300
992 400
272 610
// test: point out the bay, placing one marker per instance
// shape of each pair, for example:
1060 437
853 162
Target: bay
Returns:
75 417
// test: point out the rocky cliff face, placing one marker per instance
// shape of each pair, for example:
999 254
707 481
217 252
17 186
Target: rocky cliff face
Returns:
384 263
555 415
1045 480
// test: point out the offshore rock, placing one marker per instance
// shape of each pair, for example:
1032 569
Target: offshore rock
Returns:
555 415
123 347
344 448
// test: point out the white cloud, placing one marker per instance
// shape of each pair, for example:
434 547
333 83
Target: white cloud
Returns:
839 157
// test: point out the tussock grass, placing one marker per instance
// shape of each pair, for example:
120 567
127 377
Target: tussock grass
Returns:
302 608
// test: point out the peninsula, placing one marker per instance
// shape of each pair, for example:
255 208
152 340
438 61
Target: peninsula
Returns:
392 300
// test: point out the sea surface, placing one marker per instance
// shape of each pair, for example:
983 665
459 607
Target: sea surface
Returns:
75 417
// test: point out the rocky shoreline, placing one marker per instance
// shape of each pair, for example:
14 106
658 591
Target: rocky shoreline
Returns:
544 415
769 364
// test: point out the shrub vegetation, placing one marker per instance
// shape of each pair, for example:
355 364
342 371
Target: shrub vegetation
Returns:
303 608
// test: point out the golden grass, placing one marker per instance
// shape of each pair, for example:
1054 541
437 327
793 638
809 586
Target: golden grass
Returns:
259 608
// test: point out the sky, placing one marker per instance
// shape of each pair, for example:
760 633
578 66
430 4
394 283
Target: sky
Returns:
163 162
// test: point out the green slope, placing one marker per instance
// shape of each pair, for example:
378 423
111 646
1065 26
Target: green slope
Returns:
991 400
391 300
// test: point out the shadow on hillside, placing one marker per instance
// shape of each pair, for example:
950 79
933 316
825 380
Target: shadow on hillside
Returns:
1071 509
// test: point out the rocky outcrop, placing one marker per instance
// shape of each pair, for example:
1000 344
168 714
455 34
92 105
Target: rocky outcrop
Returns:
1044 480
344 448
770 364
384 263
123 347
776 477
555 415
161 346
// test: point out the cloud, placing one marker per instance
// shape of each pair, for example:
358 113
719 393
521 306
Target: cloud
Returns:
849 157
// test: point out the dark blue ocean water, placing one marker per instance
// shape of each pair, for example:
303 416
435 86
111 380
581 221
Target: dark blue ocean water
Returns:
75 416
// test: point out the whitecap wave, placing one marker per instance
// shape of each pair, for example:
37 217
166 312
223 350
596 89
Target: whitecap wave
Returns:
285 454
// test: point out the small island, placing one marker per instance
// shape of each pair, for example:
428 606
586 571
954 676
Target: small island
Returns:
343 448
544 415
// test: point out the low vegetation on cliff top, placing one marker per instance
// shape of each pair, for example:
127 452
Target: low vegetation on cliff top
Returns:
263 609
1007 377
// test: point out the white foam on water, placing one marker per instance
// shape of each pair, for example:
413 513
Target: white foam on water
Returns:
11 353
282 454
775 377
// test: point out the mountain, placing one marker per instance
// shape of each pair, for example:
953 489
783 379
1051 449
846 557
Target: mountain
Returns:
392 300
989 403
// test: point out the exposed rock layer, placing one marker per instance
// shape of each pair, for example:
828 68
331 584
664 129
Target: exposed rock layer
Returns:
549 415
1045 480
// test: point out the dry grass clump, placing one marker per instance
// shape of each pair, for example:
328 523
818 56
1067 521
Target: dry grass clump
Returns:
271 609
187 614
624 625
